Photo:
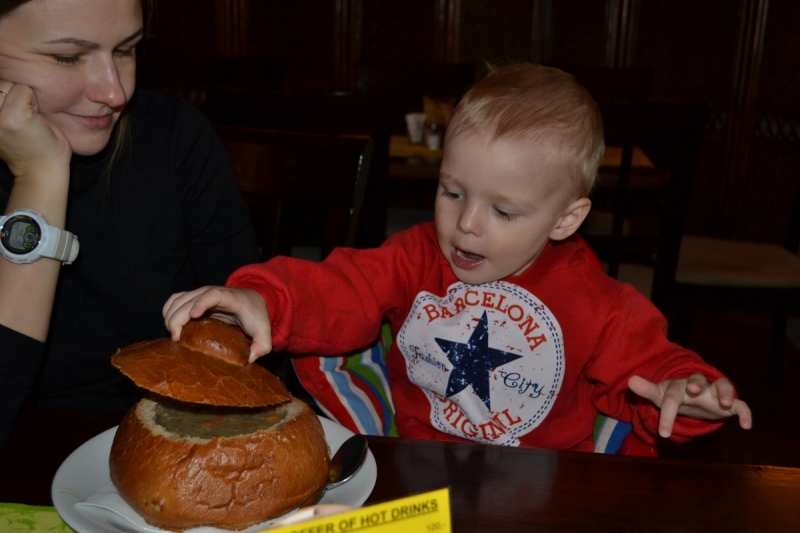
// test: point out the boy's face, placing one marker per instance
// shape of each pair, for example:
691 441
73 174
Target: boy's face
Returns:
498 203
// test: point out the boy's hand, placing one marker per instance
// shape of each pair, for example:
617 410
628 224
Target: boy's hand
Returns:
239 307
693 396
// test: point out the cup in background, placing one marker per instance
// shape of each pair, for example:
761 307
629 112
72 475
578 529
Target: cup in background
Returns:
415 122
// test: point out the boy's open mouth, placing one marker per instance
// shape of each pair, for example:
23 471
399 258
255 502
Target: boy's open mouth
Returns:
465 260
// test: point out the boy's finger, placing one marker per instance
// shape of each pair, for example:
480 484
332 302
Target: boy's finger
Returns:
175 321
645 389
696 384
742 410
262 344
725 393
166 307
671 402
177 300
262 338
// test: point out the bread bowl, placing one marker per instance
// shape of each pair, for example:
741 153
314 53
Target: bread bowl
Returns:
217 442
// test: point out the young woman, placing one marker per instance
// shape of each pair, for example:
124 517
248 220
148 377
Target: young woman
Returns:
139 179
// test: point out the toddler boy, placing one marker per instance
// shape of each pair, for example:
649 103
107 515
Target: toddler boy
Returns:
504 332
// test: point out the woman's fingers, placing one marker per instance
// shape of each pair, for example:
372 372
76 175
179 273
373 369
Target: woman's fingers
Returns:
29 144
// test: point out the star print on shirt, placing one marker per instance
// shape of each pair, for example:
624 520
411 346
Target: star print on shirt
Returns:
473 361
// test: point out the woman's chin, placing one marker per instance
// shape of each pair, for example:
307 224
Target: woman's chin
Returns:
89 146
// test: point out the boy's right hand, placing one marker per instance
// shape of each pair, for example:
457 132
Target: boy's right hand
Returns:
239 307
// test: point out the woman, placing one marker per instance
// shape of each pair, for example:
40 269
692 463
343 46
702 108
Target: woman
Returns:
140 179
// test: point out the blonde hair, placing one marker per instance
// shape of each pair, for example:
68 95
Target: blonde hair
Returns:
539 103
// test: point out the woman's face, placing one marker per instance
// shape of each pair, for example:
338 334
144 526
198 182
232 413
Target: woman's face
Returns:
79 58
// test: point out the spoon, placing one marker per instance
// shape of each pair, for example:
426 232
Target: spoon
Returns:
347 461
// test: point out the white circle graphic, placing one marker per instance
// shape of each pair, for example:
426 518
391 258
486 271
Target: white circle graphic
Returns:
489 358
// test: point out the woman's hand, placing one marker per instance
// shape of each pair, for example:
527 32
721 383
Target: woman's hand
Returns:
31 146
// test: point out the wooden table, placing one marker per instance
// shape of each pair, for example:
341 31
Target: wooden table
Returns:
495 488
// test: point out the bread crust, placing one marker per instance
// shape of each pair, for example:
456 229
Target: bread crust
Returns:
226 482
215 338
172 370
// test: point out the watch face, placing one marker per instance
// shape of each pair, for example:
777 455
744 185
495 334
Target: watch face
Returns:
20 235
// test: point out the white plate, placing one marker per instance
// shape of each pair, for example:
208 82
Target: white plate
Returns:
85 472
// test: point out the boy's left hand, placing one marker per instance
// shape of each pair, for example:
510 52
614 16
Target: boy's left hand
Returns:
693 396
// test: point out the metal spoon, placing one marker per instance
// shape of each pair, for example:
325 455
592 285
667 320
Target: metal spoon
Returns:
345 464
347 461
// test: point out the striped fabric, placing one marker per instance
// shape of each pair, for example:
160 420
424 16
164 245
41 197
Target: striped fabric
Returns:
354 391
609 433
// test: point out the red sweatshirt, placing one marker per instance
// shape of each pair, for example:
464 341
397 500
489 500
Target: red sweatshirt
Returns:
529 360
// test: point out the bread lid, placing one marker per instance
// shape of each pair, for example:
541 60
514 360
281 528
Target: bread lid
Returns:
208 366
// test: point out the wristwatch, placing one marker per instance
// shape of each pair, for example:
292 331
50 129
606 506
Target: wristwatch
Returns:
25 237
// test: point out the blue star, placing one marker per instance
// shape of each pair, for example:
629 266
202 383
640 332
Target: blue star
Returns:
473 361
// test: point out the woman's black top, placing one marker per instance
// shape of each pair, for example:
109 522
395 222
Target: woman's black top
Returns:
168 217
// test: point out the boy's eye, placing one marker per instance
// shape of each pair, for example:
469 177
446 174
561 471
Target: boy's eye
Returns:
67 60
504 215
450 194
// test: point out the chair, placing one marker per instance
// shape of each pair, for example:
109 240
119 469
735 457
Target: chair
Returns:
329 114
292 181
648 204
290 178
622 94
722 273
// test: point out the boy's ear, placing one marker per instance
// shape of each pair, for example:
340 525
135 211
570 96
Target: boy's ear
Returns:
571 219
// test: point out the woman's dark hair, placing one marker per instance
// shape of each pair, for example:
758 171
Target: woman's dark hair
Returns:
7 6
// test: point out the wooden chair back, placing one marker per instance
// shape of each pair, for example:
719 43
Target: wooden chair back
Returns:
300 188
649 204
328 114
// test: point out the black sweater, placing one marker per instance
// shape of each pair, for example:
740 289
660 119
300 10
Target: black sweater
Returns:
168 218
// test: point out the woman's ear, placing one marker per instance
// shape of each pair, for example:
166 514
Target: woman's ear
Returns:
571 219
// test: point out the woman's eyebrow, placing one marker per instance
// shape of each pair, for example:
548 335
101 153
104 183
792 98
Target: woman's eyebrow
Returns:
91 44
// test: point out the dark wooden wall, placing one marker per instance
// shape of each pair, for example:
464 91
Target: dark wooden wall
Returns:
739 56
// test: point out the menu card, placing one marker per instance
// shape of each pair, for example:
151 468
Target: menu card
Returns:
428 512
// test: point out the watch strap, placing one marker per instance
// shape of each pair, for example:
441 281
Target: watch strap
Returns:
66 247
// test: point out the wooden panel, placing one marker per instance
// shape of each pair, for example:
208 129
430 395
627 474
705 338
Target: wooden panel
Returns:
398 31
579 32
498 31
780 68
691 46
769 193
775 155
300 32
177 32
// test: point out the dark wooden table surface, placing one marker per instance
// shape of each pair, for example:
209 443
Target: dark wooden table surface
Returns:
494 488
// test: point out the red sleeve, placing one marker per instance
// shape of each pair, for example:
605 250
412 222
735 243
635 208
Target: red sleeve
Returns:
337 305
634 342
